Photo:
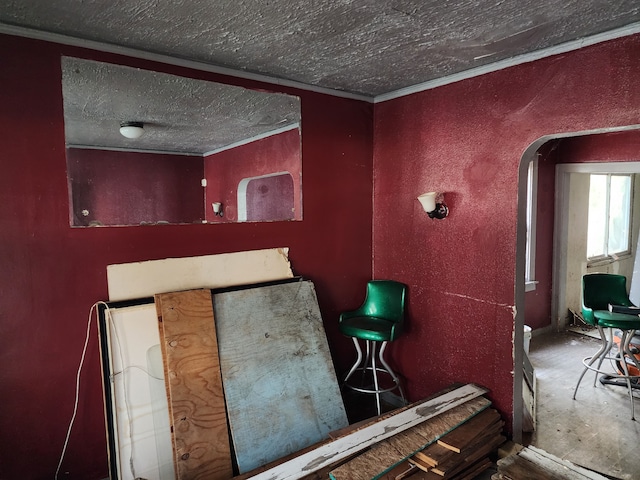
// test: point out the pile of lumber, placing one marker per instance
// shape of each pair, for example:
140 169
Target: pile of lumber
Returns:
533 463
384 447
464 452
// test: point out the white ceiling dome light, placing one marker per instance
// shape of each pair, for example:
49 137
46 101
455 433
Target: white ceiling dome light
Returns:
132 129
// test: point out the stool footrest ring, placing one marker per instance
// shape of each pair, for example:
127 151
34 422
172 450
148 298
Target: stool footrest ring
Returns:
369 364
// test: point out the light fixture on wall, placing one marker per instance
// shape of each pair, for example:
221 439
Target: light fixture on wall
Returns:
217 209
131 129
433 204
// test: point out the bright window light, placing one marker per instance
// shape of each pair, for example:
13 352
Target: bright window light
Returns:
609 221
532 188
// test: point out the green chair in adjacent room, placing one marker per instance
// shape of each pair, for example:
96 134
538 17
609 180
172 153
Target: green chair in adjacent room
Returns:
604 296
376 322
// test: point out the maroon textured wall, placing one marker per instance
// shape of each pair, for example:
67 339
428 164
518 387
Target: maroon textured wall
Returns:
225 170
606 147
467 139
124 188
538 302
51 274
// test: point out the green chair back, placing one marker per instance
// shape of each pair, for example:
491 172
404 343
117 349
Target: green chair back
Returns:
385 299
381 316
601 289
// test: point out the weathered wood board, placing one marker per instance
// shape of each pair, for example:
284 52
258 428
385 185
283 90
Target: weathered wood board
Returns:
386 454
194 385
279 381
144 279
467 433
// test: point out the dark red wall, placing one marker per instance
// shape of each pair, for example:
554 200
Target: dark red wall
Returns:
467 139
51 274
225 170
605 147
125 188
538 302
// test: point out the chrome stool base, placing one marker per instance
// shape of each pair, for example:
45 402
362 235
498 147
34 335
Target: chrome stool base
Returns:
369 363
623 359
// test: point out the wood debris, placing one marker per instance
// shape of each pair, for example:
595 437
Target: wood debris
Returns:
464 452
453 445
535 464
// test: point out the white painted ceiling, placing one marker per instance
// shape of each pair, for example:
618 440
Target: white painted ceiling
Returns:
367 48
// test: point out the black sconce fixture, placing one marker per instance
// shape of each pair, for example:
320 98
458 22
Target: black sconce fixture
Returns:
217 209
433 204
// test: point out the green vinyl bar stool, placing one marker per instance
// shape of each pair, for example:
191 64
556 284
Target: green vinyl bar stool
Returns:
604 295
376 322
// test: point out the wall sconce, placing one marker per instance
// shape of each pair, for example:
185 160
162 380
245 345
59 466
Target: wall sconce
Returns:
433 204
131 129
217 209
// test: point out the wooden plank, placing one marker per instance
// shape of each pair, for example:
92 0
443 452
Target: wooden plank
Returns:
406 471
465 434
460 461
423 465
402 471
330 452
528 406
556 464
281 389
383 456
434 454
145 279
372 460
518 468
430 430
322 473
474 470
370 421
407 442
194 385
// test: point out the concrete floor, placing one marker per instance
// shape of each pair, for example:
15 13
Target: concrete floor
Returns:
595 430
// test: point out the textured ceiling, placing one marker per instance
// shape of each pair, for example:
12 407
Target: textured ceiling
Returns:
180 115
368 47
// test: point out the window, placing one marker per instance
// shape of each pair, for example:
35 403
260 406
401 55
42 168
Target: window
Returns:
530 264
609 220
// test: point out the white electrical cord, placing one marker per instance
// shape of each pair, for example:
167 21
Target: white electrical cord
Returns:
77 396
124 369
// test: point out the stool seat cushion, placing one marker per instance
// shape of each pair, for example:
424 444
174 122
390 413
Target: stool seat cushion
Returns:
369 328
622 321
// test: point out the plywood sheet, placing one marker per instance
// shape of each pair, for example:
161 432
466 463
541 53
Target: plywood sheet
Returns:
279 380
194 385
144 279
